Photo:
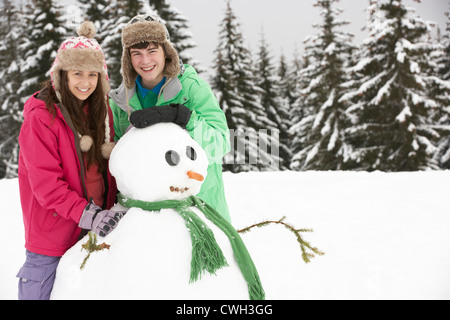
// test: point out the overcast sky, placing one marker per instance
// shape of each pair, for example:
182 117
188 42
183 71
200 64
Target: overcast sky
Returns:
286 23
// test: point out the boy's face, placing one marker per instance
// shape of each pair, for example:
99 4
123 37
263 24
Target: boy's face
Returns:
149 63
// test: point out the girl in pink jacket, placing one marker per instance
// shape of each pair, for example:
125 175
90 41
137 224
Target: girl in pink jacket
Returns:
65 141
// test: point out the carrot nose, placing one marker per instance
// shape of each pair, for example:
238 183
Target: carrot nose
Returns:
194 175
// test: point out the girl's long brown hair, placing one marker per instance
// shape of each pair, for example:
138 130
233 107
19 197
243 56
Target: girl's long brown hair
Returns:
93 124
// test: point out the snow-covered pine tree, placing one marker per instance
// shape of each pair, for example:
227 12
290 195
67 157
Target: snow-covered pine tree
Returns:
298 108
11 31
393 101
286 85
443 118
96 11
444 69
289 78
238 96
319 143
229 56
277 109
352 156
38 31
46 31
178 26
118 13
224 80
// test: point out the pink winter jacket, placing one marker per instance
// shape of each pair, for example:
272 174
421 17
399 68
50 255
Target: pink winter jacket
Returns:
52 179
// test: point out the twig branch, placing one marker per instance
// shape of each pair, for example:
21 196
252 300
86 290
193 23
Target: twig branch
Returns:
304 245
91 246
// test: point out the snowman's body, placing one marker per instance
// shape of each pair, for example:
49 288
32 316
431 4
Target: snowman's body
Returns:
149 258
150 251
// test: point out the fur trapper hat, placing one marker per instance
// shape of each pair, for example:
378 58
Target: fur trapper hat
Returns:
80 53
147 28
84 53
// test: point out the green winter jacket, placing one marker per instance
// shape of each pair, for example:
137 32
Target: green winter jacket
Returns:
207 125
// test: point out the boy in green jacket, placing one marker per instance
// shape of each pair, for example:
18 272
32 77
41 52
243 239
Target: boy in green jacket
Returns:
158 88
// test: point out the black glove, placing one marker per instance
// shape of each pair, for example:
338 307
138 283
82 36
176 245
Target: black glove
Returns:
176 113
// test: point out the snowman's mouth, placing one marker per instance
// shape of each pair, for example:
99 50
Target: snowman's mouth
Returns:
176 189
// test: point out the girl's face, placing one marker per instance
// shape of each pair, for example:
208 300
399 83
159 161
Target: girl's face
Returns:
82 83
149 63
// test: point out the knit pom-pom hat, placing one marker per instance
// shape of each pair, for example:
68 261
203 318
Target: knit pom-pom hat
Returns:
84 53
147 28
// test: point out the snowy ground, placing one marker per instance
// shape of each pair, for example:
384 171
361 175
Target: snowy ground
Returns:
385 236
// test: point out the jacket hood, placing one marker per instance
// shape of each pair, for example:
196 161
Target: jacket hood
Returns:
34 103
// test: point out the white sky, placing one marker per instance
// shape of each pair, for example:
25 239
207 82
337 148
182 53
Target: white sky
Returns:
286 23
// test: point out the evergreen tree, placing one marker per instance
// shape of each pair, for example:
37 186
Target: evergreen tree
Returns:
11 31
319 134
46 31
177 25
445 63
32 39
297 111
276 108
94 11
289 78
395 93
443 119
238 95
118 13
97 12
285 87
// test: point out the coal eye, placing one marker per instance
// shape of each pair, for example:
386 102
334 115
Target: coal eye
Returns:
191 154
172 158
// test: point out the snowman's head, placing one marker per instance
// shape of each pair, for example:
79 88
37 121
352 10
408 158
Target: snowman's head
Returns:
160 162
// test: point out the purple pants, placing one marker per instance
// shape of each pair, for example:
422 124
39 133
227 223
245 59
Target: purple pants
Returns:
36 276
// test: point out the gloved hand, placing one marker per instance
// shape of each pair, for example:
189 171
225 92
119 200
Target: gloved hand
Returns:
176 113
100 221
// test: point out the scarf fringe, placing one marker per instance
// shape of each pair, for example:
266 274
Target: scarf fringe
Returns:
206 253
255 291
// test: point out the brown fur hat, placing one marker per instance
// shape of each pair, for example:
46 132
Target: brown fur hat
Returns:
147 28
80 53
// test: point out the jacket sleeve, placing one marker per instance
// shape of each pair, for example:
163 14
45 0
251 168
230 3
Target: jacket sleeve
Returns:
40 147
208 125
119 117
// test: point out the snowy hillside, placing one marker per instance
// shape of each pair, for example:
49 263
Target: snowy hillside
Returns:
385 236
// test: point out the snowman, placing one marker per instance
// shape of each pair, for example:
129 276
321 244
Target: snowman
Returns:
170 244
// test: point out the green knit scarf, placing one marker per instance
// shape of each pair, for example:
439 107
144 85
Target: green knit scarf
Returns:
206 253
